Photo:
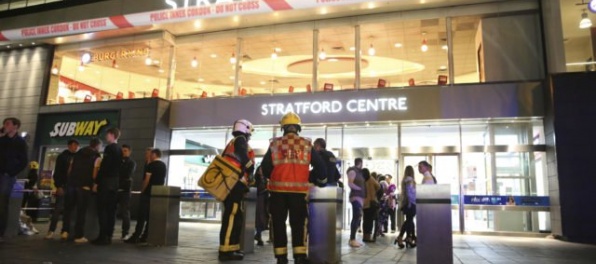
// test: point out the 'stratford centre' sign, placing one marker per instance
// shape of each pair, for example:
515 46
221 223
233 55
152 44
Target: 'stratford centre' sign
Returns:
336 106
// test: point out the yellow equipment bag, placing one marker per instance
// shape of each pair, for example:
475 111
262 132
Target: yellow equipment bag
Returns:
219 178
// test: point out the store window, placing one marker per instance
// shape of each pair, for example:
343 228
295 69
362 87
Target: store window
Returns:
336 57
404 53
579 35
276 61
204 68
112 70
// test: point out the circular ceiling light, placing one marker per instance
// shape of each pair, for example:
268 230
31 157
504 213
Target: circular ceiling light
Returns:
86 58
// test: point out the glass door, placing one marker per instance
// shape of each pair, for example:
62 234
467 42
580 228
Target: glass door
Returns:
445 167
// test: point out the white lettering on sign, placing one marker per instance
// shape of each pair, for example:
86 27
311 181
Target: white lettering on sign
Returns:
187 3
335 106
78 129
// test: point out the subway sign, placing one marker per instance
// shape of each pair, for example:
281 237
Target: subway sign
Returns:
57 129
78 129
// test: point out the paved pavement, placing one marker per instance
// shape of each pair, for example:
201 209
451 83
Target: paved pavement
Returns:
198 244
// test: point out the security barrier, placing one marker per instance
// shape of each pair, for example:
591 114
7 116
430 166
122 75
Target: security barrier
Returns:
435 240
247 244
164 216
324 224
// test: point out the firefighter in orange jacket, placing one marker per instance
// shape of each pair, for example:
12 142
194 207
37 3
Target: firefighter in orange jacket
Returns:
239 153
286 164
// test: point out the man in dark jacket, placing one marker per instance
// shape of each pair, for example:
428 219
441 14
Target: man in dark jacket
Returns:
107 187
60 175
83 171
127 168
13 160
333 174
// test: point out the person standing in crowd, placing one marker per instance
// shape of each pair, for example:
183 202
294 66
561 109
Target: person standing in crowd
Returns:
426 170
83 171
357 195
60 176
239 153
262 214
333 174
155 175
13 160
107 187
30 197
370 206
408 206
389 198
286 165
127 169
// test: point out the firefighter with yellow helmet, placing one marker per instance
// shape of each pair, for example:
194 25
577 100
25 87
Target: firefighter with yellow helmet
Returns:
286 164
239 153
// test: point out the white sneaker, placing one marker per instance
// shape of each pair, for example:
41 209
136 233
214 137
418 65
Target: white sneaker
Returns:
354 244
81 240
34 230
50 235
127 237
64 236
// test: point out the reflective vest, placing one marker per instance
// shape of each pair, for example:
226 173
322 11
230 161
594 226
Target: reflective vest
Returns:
230 155
290 155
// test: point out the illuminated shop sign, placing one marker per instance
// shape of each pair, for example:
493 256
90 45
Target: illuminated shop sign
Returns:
119 54
337 106
78 129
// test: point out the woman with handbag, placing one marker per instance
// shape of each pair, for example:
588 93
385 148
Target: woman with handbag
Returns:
240 155
408 206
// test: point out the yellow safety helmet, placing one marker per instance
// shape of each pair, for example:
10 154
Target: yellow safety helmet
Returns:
34 165
290 119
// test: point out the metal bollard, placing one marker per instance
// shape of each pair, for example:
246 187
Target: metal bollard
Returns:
435 238
14 210
247 244
325 224
164 216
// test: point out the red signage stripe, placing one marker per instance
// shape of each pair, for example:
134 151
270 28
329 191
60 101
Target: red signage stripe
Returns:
2 37
278 5
120 21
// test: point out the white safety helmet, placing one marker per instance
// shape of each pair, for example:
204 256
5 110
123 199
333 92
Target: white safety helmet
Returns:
243 126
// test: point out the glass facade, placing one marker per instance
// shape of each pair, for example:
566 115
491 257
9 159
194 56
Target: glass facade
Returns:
478 159
361 52
579 36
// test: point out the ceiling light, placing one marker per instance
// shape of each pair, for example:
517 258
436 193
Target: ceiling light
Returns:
236 19
233 59
148 61
160 70
278 50
352 48
443 67
201 80
274 55
424 47
81 67
20 45
585 22
194 62
371 50
322 54
445 47
371 5
213 56
86 58
155 61
232 77
198 24
8 46
55 70
263 82
32 43
333 60
398 45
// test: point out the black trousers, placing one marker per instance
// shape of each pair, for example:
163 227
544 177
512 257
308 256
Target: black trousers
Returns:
391 219
232 219
408 226
369 220
106 212
58 210
296 204
124 210
142 226
78 198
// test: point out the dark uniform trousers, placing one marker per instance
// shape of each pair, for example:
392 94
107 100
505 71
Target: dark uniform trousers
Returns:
297 205
232 220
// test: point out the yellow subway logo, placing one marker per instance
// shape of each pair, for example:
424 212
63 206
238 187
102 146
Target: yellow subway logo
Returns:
78 129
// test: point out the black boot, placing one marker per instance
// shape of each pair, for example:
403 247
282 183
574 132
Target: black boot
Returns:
229 256
282 260
301 260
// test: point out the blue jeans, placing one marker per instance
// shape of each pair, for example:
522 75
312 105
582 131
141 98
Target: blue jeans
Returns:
6 184
356 219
